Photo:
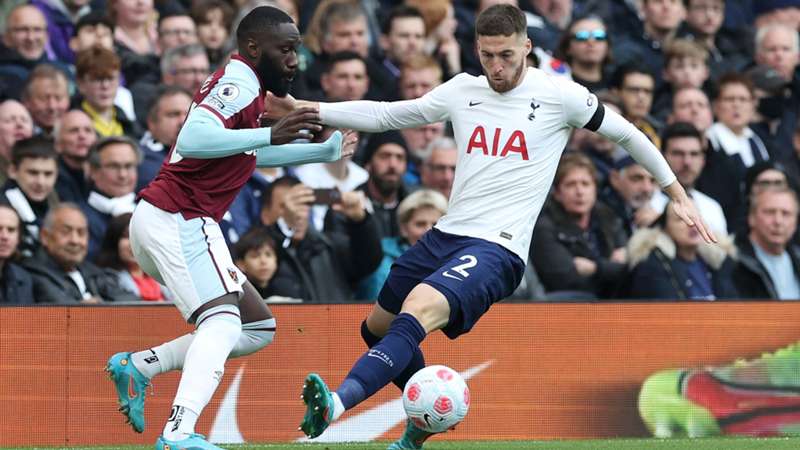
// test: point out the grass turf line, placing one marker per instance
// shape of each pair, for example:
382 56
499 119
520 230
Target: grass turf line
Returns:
606 444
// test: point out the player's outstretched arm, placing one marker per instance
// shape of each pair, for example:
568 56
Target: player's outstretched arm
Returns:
204 136
615 127
339 145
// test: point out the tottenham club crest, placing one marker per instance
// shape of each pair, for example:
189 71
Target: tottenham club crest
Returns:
534 107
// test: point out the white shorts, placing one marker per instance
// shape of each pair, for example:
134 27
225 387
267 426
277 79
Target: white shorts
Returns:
189 256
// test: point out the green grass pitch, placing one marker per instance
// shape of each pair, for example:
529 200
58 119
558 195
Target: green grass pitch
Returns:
605 444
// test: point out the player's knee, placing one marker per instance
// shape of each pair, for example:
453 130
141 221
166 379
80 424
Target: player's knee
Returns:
255 336
428 306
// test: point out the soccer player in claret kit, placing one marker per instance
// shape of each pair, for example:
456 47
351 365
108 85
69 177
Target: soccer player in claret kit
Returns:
511 126
174 230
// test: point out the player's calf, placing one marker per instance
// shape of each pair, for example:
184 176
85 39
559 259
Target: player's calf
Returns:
255 336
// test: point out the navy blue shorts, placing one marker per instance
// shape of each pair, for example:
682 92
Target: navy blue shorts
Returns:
472 274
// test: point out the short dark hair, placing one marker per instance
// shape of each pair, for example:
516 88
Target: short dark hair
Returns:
92 19
258 20
200 10
170 14
33 148
342 56
399 12
679 130
253 239
94 151
733 78
687 3
502 20
162 92
618 79
266 196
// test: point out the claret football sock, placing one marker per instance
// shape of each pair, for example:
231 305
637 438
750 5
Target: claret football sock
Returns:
383 362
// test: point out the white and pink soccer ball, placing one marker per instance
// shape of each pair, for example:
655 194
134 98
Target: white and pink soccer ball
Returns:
436 398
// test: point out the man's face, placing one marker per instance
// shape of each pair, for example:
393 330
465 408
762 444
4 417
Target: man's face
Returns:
169 118
99 90
686 72
36 177
405 39
15 124
686 158
773 219
637 95
706 16
116 175
276 62
778 52
634 184
663 15
68 238
175 31
76 135
270 213
92 35
189 72
735 106
439 170
692 106
9 232
419 138
350 36
387 167
503 59
416 83
48 101
576 192
26 32
347 80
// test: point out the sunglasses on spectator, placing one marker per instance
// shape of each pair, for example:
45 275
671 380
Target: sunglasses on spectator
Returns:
585 35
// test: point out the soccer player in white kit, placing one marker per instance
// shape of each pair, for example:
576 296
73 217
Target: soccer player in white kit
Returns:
511 126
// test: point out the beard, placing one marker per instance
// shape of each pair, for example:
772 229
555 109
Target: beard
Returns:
507 85
386 186
273 77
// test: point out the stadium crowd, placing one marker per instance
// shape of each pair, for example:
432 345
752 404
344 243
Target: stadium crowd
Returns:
93 94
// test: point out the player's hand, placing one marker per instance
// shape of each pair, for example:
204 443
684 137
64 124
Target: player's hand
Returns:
352 206
584 266
276 107
684 208
299 124
349 143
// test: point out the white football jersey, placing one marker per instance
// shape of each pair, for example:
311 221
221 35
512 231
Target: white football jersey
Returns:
509 146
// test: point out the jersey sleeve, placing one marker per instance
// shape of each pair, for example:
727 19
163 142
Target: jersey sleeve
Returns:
231 94
579 104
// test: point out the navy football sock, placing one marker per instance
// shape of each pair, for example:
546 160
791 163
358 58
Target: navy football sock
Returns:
383 362
417 359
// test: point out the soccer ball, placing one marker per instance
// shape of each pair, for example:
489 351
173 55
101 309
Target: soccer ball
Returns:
436 398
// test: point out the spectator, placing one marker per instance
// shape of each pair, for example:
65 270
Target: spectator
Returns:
402 38
628 192
546 20
440 39
578 244
682 146
59 268
256 256
439 169
115 255
15 124
777 47
313 266
164 121
686 65
214 19
46 97
763 175
30 190
784 12
586 47
386 162
345 77
776 111
75 135
635 86
61 16
174 30
416 214
93 29
769 264
602 151
691 105
136 39
671 262
98 72
16 285
734 146
418 76
185 66
112 169
418 141
729 50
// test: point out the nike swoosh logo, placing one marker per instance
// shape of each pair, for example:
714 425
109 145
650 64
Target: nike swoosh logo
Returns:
131 389
375 422
471 103
450 275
